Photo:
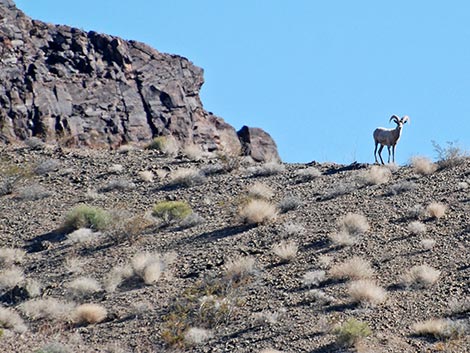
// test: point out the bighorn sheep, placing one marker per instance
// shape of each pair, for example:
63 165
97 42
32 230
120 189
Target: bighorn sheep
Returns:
388 137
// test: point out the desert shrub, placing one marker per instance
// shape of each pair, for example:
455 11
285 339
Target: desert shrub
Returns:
192 152
46 167
191 221
449 156
257 212
436 210
416 227
307 174
82 235
10 256
416 212
34 143
292 229
116 276
7 184
427 243
268 317
89 314
376 175
459 306
165 144
313 278
147 176
421 276
440 328
402 187
422 165
366 292
260 191
148 266
354 224
171 211
239 268
289 203
342 238
196 335
33 287
83 286
286 250
10 278
48 308
117 185
339 189
320 297
266 169
85 216
353 268
115 168
186 177
351 332
11 320
33 193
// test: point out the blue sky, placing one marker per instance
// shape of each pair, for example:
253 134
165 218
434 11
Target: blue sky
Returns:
319 76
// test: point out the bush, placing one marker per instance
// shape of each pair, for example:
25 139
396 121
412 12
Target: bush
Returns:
366 292
286 250
257 212
351 332
416 227
449 156
305 175
354 268
239 268
422 165
436 210
89 314
266 169
376 175
186 177
84 216
289 203
439 328
421 276
171 211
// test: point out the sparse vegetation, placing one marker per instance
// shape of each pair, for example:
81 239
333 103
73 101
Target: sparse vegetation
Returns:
354 268
366 292
351 332
186 177
257 212
169 212
421 276
289 203
286 250
307 174
440 328
89 314
266 169
376 175
417 227
352 226
436 210
85 216
260 191
422 165
450 156
11 320
239 268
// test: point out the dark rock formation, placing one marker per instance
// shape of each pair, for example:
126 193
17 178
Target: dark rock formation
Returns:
90 89
258 144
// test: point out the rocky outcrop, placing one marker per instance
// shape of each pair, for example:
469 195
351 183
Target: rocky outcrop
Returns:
91 89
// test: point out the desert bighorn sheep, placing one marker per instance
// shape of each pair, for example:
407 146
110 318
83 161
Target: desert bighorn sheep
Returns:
388 137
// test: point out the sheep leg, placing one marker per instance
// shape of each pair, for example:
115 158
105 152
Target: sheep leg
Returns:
388 148
393 153
380 153
375 152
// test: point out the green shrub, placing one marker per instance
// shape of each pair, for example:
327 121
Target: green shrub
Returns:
171 211
158 143
351 332
84 216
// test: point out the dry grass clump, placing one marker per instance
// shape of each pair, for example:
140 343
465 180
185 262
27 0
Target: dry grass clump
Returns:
270 350
286 250
196 335
313 278
116 276
376 175
82 235
11 277
459 306
260 191
48 308
192 152
353 268
84 286
417 227
366 292
436 210
427 243
148 266
33 287
257 212
352 226
47 166
289 203
115 168
89 314
307 174
240 267
146 175
10 256
169 212
421 276
266 169
402 187
186 177
11 320
440 328
422 165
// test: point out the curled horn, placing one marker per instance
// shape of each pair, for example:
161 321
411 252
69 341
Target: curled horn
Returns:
405 119
395 118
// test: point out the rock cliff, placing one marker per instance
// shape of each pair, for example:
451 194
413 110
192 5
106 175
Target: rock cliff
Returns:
81 88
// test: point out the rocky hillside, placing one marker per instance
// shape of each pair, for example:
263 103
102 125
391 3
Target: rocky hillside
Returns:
90 89
237 258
